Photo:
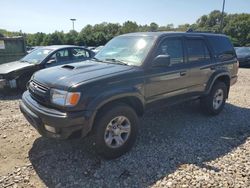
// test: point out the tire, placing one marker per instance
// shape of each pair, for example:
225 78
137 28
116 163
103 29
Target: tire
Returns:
214 102
106 136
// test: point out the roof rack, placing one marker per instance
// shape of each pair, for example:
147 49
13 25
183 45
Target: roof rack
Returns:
192 31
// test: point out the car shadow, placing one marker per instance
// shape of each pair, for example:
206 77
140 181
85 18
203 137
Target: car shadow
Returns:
169 137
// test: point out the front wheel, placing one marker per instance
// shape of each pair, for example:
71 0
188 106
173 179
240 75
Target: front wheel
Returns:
115 130
214 102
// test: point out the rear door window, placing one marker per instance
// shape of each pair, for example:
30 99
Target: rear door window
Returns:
197 51
78 53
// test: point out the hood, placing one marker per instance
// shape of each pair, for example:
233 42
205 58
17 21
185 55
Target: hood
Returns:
63 77
13 66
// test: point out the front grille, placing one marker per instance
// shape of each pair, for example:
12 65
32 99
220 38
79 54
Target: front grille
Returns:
39 92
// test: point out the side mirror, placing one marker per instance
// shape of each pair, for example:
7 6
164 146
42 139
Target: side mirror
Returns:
161 61
51 61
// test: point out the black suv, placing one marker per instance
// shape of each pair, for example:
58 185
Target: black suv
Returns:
106 95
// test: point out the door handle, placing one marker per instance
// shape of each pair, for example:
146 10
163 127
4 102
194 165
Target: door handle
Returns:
183 73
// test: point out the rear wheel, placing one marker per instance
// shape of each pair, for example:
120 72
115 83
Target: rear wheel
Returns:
214 102
115 130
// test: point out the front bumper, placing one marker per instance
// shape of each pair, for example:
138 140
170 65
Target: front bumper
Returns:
64 123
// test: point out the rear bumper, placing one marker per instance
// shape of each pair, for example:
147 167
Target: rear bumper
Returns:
64 124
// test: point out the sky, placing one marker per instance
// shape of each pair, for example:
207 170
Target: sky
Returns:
33 16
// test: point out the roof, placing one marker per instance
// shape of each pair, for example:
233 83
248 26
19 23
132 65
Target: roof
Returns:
56 47
160 33
154 34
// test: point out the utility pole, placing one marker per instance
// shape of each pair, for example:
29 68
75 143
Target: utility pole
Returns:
222 16
73 20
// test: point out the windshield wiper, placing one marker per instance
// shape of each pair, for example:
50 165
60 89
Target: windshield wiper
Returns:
116 61
96 59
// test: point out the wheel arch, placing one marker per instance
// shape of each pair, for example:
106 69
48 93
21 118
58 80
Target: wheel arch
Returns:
222 77
133 101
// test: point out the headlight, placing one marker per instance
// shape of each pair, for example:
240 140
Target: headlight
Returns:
64 98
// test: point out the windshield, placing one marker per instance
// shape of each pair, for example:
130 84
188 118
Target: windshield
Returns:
131 50
36 56
245 50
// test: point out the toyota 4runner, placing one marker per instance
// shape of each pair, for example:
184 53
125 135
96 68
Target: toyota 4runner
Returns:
105 96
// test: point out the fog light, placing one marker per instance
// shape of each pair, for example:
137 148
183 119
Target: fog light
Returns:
50 129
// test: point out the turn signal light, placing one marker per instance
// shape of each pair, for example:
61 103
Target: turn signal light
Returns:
73 98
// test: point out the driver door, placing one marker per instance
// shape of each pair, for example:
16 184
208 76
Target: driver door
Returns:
166 81
60 57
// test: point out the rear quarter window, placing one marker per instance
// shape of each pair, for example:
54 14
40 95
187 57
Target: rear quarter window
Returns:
222 47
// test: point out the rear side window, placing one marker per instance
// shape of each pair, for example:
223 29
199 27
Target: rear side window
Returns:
197 50
78 53
173 48
222 47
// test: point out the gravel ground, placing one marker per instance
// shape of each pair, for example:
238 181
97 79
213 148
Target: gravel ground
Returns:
177 147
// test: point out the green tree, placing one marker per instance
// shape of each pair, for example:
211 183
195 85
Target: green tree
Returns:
111 30
143 28
35 39
57 38
86 35
129 27
71 38
153 27
211 22
184 27
47 40
238 28
99 38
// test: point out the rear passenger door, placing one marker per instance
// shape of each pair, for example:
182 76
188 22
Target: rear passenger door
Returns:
198 61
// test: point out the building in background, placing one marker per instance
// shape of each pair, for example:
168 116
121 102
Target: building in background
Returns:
11 49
